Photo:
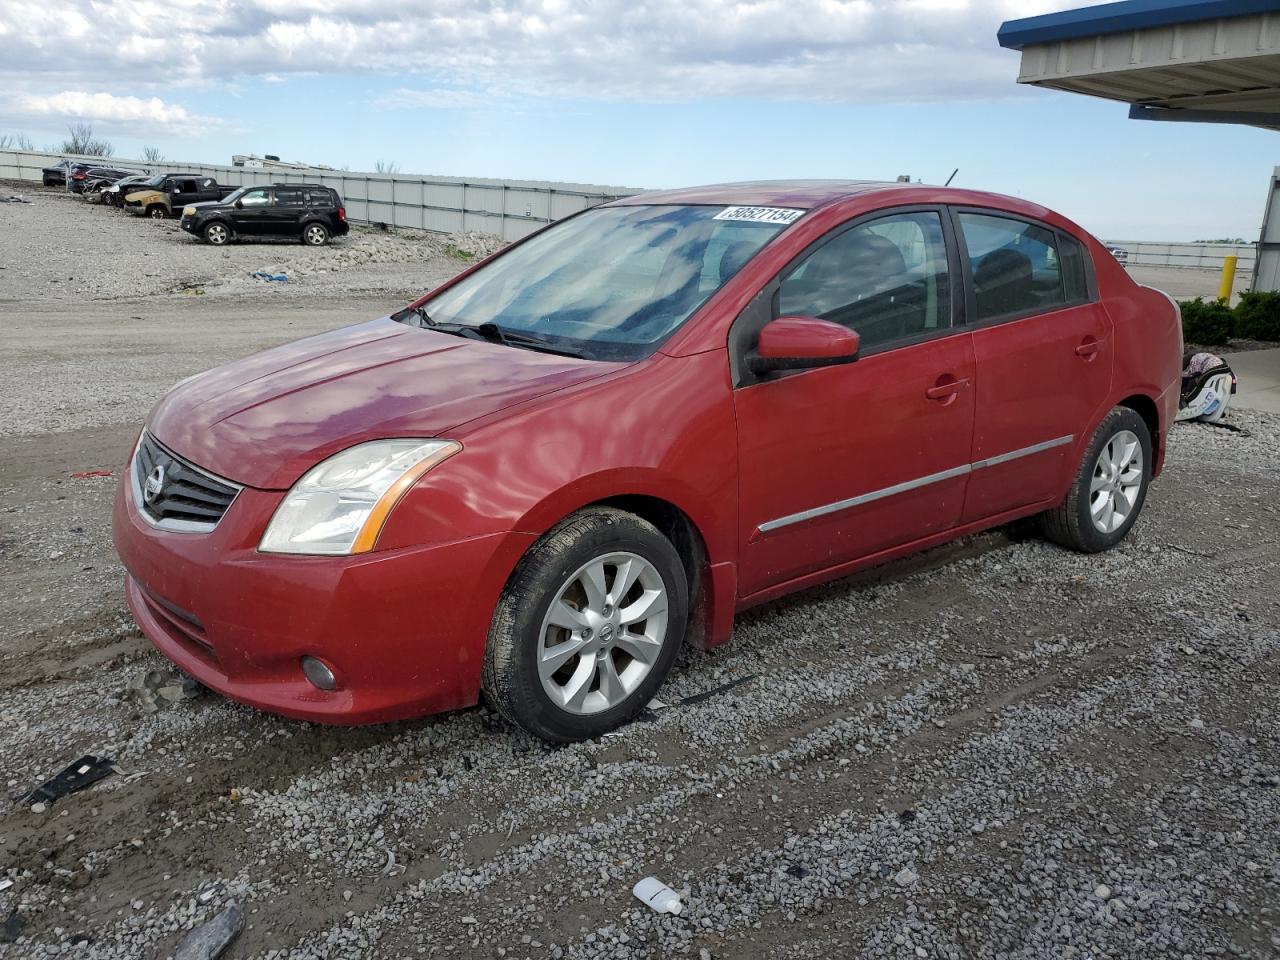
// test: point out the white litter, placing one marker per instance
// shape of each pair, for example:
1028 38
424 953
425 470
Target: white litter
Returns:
658 895
5 884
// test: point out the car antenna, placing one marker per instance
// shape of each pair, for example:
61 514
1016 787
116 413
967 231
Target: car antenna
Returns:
952 177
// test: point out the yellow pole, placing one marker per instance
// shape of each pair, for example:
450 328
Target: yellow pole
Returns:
1228 279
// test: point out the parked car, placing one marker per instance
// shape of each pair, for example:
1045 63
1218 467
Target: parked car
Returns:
97 180
307 211
545 475
55 175
81 178
113 194
170 192
1120 253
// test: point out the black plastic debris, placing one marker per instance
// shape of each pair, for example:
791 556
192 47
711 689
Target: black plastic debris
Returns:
715 691
797 871
11 929
907 816
209 941
85 772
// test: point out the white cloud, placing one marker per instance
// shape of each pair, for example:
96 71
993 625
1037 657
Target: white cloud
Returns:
834 50
115 113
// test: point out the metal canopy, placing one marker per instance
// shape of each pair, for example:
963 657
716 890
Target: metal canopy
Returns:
1194 60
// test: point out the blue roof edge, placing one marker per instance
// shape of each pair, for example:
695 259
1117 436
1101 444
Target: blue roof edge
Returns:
1122 16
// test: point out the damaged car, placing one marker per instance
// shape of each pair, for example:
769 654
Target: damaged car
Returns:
542 478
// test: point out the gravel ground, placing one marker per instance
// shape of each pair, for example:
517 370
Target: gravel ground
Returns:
997 749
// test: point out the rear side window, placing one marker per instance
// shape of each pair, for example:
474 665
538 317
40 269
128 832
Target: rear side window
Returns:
1074 274
187 186
288 196
320 198
1015 265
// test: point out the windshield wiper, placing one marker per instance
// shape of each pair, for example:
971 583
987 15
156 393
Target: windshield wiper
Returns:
489 331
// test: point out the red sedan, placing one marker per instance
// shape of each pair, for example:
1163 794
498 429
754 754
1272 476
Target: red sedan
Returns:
547 474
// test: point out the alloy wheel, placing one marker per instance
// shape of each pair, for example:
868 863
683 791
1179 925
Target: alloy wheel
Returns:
216 234
602 633
315 235
1117 481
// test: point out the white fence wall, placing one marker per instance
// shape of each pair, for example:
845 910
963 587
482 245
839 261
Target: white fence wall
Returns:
507 208
1202 255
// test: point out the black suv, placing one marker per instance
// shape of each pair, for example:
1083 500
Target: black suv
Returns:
308 211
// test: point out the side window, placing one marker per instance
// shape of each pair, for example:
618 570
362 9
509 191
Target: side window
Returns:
288 197
208 184
320 198
1074 274
1016 266
886 279
256 198
185 186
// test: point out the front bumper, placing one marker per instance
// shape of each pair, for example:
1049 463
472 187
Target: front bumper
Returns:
403 630
188 224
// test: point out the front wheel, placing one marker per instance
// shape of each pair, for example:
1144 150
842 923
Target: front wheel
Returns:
217 234
157 212
588 627
1109 489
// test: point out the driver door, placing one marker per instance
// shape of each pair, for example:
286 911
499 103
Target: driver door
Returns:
252 211
841 463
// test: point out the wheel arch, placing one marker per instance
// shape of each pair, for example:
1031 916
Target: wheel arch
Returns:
710 576
1145 406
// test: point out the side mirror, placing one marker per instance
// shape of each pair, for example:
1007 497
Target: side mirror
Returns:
239 204
797 343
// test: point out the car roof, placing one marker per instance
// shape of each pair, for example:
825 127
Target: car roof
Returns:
811 194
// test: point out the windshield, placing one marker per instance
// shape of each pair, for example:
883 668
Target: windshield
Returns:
156 180
612 282
235 194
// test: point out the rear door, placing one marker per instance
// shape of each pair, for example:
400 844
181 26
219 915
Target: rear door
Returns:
1044 350
285 215
840 463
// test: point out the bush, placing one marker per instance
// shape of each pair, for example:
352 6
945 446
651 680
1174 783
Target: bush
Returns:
1207 324
1257 316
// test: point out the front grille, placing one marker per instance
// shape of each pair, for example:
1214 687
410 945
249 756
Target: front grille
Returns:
177 494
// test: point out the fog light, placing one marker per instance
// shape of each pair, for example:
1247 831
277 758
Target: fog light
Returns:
319 674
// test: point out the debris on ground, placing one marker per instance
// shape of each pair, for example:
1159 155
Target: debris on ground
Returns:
90 474
209 941
85 772
660 897
159 688
270 277
715 691
5 884
15 198
11 929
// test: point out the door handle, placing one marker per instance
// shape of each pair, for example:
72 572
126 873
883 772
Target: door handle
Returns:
947 386
1088 347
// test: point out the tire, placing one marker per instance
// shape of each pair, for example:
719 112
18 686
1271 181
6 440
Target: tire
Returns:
574 696
1083 521
217 234
157 212
315 235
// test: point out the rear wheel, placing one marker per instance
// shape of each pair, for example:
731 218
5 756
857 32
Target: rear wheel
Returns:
217 234
588 628
1110 486
315 235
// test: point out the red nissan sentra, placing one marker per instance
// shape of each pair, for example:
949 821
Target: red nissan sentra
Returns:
546 475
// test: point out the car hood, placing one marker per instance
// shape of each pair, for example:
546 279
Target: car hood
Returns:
142 196
265 420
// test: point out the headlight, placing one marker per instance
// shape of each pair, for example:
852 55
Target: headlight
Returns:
188 211
340 505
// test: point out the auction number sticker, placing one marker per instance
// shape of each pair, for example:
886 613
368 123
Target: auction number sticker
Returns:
759 214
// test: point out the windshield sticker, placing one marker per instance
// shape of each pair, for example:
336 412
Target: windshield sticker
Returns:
759 214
